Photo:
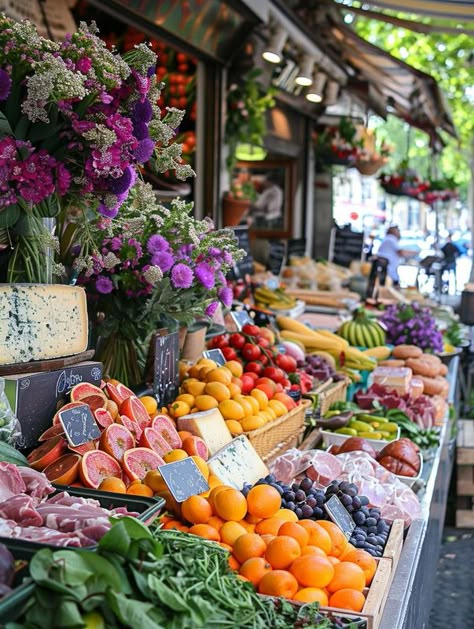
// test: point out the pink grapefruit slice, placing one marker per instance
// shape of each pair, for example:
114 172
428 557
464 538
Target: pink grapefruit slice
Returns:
65 470
94 402
46 453
152 439
134 409
137 462
103 417
118 393
164 425
97 465
53 431
84 447
131 425
116 440
83 390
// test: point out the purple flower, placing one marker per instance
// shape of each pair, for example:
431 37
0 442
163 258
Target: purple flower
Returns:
226 296
151 71
120 185
144 150
214 252
157 243
104 285
181 276
164 260
5 84
142 111
227 258
212 307
140 130
205 275
108 212
115 243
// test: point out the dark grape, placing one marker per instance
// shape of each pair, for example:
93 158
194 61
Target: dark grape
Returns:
359 517
364 500
350 509
312 492
289 495
365 511
381 526
306 511
346 500
311 501
356 502
277 487
295 486
300 495
245 491
270 479
320 498
353 488
306 484
344 486
261 481
372 530
318 513
299 512
291 505
371 521
359 544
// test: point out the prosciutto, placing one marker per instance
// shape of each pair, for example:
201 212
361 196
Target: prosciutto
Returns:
22 510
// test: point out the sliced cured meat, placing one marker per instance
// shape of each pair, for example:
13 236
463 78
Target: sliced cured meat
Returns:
36 483
11 482
22 510
324 468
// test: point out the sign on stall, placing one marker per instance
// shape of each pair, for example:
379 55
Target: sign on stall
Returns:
79 425
183 479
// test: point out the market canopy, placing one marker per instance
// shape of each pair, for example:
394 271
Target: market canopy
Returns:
462 10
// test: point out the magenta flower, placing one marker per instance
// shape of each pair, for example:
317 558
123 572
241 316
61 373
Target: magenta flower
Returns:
181 276
164 260
226 296
205 274
108 212
5 84
84 65
211 309
104 285
157 243
63 179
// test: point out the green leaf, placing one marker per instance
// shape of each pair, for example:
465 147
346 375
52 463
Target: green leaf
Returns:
9 216
130 612
166 595
68 615
118 539
41 565
21 128
5 128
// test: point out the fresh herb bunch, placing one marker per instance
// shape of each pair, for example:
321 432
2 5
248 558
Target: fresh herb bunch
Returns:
152 580
454 334
413 325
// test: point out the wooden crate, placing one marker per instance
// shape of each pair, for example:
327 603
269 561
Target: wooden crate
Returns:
465 474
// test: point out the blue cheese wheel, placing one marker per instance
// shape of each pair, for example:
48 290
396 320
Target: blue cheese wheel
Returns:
41 321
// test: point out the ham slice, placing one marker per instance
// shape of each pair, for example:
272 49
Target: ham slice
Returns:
36 483
21 509
324 468
11 482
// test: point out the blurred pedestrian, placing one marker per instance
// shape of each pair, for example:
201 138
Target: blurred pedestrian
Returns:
389 249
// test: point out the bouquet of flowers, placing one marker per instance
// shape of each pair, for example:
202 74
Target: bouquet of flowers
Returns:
152 265
338 145
76 123
413 325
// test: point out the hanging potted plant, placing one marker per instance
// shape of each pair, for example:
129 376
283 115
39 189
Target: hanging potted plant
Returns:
371 159
405 181
245 128
337 145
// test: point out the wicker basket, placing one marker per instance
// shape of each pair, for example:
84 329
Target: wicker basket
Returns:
291 442
331 392
268 437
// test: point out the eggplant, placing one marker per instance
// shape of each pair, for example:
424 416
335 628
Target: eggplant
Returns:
335 422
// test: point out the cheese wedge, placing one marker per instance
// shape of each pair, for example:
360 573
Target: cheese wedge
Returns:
238 463
41 321
210 426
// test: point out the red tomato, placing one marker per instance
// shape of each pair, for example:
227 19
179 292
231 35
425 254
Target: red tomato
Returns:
229 353
181 57
263 342
285 383
253 375
237 340
218 342
183 67
287 363
274 373
247 383
250 329
264 359
181 90
254 366
251 351
182 102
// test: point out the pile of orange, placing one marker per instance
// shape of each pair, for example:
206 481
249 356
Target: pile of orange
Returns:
208 386
280 555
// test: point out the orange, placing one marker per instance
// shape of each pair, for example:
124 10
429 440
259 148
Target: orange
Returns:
175 455
235 428
247 546
317 535
193 386
226 546
214 492
333 560
267 389
173 524
196 509
138 489
252 519
312 571
154 480
347 575
253 422
221 374
217 390
261 398
267 538
230 504
286 515
235 368
149 403
205 402
347 598
216 522
233 563
312 595
186 397
254 569
347 551
338 539
184 434
363 559
278 583
230 531
206 531
293 529
214 481
282 551
263 501
113 484
314 550
230 409
202 465
178 409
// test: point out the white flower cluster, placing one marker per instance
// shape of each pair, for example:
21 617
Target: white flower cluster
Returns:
153 275
101 136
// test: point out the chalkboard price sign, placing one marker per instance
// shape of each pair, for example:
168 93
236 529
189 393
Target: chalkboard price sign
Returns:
183 479
216 355
79 425
241 318
166 372
243 267
338 514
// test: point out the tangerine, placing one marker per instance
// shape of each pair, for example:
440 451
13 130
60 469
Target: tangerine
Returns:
196 509
312 595
278 583
333 560
282 551
263 501
111 483
347 551
254 569
233 563
178 409
149 403
206 531
347 575
230 531
214 492
348 598
139 489
314 550
230 409
317 535
230 504
299 533
216 522
154 480
287 515
365 561
202 465
178 454
312 571
338 539
221 374
247 546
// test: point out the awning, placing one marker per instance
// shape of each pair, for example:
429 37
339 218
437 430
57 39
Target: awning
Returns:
462 10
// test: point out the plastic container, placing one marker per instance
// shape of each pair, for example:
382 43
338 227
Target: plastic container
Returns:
335 438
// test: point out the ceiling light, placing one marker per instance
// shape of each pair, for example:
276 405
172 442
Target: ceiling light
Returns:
315 93
332 92
305 74
273 50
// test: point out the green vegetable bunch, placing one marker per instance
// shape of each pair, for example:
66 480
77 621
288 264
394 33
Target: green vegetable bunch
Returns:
151 580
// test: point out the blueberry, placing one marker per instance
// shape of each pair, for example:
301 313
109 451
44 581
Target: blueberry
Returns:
306 511
318 513
356 503
300 495
359 517
290 505
306 484
363 500
371 521
299 512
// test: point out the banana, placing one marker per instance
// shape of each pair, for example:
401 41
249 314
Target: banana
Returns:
331 335
382 352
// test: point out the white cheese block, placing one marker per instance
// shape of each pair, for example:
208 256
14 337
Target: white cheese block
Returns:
238 463
41 321
209 425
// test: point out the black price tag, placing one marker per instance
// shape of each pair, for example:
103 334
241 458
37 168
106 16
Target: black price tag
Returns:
183 479
216 355
241 318
166 372
79 425
339 515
